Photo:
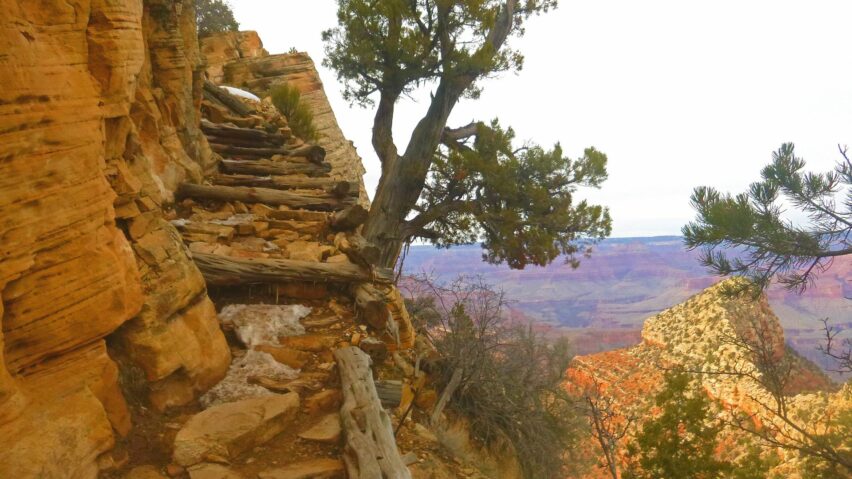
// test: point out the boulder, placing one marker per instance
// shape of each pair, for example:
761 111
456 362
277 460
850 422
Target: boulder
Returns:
228 429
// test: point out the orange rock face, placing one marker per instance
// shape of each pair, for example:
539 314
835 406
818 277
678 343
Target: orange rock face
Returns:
99 116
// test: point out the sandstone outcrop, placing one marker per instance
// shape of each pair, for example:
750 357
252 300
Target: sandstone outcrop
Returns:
98 124
709 334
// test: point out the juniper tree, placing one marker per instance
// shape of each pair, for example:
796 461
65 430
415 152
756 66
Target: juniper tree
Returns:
214 16
766 245
459 185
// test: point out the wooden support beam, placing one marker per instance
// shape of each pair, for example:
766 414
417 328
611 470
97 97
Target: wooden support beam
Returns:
232 102
338 188
225 270
318 202
314 153
268 167
349 219
370 451
244 134
359 250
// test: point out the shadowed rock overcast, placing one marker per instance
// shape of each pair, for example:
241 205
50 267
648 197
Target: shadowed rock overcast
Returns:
677 94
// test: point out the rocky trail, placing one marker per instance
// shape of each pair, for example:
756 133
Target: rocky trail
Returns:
306 314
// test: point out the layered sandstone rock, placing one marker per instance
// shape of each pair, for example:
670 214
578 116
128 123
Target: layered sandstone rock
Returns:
98 125
223 48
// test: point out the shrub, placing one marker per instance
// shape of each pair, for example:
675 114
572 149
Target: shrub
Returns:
510 377
288 101
214 16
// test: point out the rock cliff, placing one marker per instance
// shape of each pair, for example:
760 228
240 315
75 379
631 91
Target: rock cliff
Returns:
99 115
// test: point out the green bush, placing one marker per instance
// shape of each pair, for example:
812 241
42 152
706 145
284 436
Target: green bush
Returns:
214 16
288 101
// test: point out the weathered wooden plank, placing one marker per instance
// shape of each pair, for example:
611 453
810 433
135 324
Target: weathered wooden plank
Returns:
371 451
268 167
349 219
339 188
225 270
319 201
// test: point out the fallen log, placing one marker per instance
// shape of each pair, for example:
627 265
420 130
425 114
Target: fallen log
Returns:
370 451
232 102
314 153
339 188
349 218
283 168
359 250
317 201
225 270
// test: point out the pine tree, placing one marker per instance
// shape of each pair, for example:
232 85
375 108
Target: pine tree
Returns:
680 442
766 244
214 16
459 185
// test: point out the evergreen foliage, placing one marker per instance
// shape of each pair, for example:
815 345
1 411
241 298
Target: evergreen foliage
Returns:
768 245
287 99
682 441
518 202
466 184
214 16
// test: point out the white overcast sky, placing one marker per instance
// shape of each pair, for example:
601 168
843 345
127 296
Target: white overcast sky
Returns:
678 93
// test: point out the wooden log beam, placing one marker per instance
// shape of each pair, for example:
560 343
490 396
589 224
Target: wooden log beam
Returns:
246 134
317 202
349 219
371 305
228 271
232 102
359 250
371 451
390 392
314 153
338 188
283 168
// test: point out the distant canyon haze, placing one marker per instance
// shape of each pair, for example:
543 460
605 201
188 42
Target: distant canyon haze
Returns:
603 303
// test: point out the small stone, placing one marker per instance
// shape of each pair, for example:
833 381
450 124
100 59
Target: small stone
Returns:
174 470
327 430
323 401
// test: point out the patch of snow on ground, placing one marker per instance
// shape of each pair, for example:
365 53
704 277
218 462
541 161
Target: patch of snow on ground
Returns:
236 387
180 222
241 93
257 324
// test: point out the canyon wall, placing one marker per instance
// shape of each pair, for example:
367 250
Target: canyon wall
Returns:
99 115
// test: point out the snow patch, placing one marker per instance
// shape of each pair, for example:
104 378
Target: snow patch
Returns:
257 324
241 93
236 387
180 222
